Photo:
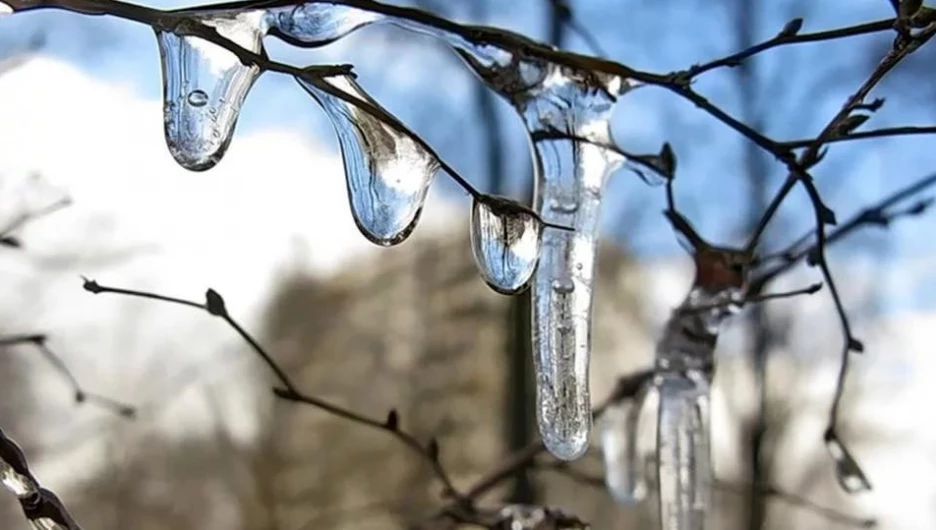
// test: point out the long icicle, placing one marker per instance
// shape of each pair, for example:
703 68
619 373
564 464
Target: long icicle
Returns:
685 367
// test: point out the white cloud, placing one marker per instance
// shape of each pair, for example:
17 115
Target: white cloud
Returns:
276 202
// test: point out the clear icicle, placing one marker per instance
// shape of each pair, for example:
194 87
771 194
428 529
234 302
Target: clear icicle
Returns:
622 451
685 363
388 171
683 453
204 86
505 242
847 471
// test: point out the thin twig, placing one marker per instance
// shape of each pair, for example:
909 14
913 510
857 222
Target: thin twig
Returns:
214 305
39 341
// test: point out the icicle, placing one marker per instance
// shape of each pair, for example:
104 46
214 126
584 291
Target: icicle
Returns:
204 86
388 172
624 457
505 241
685 363
847 470
683 453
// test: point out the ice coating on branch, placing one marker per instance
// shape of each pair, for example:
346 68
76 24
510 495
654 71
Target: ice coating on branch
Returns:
505 242
317 23
685 364
388 172
40 506
46 512
621 449
14 471
204 86
683 451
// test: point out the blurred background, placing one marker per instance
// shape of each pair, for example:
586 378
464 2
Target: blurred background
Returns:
414 327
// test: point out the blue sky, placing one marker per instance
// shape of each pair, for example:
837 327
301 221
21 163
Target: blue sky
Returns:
801 88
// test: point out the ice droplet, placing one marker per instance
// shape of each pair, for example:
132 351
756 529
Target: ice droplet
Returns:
198 98
683 451
5 9
505 242
214 83
317 23
388 171
847 471
623 455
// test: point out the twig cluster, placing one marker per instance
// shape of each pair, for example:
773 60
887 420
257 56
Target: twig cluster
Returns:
913 26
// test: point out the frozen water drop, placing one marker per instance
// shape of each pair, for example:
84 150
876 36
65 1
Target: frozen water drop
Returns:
683 452
5 9
387 169
199 123
198 98
317 23
847 471
505 242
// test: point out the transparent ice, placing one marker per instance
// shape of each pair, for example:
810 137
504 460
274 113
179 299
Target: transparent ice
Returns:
623 451
684 365
683 453
204 86
505 242
388 172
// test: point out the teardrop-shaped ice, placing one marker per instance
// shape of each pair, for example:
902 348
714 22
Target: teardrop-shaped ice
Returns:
505 242
317 23
847 471
623 455
204 86
388 171
683 451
